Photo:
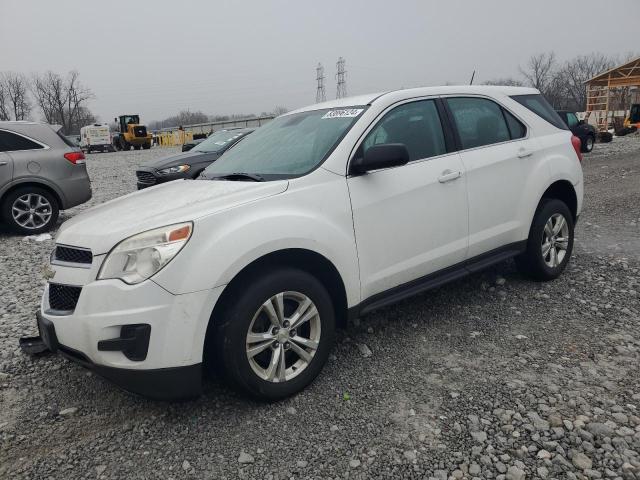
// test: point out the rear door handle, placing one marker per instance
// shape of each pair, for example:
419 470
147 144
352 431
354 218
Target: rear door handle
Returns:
523 153
2 164
448 176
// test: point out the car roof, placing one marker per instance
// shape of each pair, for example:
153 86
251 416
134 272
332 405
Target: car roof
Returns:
20 123
371 98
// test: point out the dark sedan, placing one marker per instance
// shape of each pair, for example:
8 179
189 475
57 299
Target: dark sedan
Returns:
581 129
192 143
189 164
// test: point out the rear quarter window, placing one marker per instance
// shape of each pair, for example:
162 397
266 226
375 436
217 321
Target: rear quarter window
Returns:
12 142
539 105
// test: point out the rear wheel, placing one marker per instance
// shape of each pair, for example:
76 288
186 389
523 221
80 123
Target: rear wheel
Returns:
30 210
588 143
276 334
146 146
550 241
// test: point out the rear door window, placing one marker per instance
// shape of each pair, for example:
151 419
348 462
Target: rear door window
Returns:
12 142
479 121
539 105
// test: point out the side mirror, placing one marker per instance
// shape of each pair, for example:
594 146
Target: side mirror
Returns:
115 119
381 156
581 122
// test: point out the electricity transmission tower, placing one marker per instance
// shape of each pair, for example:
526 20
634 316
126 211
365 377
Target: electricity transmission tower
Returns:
321 95
341 76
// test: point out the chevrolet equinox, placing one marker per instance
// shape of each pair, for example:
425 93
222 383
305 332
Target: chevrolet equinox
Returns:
322 215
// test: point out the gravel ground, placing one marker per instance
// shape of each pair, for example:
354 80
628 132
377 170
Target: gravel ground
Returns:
493 376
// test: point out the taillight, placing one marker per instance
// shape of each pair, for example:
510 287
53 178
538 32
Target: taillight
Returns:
577 146
76 158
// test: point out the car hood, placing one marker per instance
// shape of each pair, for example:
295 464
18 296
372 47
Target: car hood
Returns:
103 226
189 158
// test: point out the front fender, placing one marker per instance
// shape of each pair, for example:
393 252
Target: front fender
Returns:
314 216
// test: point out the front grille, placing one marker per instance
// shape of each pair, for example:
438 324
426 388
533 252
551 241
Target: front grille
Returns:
72 255
140 131
146 177
63 297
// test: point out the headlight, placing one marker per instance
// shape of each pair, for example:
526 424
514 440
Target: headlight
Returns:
139 257
178 169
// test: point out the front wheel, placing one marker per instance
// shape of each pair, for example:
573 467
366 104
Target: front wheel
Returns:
550 241
30 210
276 335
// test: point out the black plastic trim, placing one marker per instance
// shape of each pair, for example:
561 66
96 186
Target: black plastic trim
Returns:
133 342
448 128
178 383
437 279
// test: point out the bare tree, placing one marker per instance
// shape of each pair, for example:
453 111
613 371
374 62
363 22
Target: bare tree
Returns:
4 101
279 110
83 117
17 89
508 81
539 71
184 117
577 71
62 100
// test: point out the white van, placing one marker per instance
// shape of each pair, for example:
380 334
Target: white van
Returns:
95 137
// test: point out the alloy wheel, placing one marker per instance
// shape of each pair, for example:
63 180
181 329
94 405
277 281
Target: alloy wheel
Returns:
283 337
31 211
555 240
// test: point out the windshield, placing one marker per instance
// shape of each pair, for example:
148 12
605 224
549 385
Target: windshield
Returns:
218 141
288 146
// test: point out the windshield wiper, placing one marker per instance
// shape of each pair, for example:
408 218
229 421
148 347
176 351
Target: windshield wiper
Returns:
239 176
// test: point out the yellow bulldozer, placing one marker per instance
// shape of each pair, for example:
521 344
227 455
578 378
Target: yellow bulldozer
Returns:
633 120
130 134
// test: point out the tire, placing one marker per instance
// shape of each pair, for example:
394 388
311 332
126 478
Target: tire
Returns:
533 262
605 137
43 217
146 146
587 145
247 313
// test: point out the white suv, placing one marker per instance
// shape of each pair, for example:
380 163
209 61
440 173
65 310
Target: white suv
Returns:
323 214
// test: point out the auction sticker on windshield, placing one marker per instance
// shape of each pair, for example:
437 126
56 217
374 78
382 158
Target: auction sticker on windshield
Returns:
343 113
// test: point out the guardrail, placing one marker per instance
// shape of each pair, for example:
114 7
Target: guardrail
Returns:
173 136
213 126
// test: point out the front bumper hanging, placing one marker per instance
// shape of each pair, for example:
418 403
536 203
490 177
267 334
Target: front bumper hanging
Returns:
179 383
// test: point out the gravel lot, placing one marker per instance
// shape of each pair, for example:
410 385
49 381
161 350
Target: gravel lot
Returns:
490 377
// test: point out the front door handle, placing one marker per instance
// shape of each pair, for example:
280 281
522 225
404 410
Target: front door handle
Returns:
448 176
523 153
2 164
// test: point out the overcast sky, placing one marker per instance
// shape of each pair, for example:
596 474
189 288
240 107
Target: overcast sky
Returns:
158 57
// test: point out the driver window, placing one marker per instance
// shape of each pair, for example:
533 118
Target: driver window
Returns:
416 125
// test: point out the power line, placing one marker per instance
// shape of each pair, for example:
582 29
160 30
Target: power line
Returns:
341 77
321 95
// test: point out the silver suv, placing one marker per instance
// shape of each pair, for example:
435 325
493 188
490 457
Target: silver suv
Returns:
41 173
